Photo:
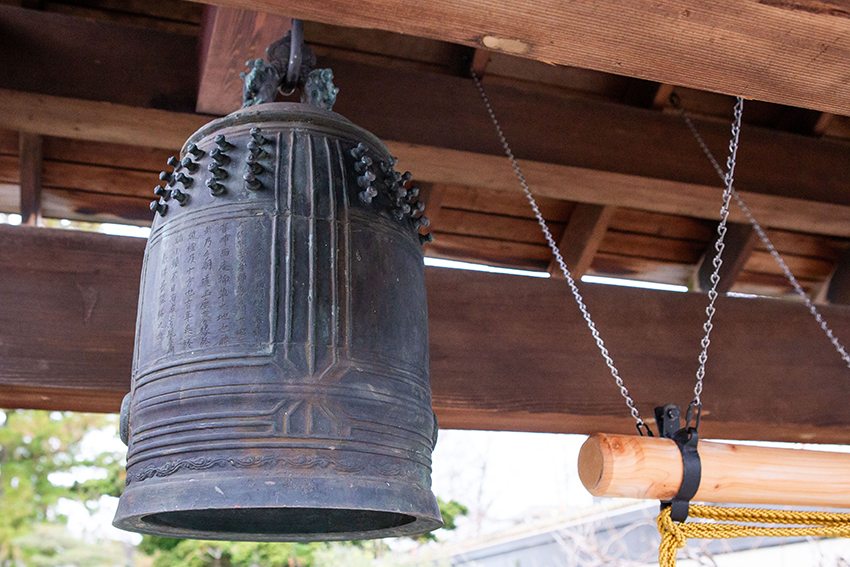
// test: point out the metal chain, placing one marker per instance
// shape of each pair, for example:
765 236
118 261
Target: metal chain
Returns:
560 259
764 238
719 246
715 277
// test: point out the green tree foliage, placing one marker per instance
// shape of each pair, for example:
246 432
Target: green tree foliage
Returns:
35 446
50 545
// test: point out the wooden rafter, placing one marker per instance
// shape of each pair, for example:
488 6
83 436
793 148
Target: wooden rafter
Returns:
582 237
838 284
31 154
740 241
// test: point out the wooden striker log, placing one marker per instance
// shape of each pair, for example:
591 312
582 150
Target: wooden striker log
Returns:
629 466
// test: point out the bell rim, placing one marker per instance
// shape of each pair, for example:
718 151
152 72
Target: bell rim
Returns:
140 501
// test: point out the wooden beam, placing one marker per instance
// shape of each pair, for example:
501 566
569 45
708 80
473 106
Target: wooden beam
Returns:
740 241
577 131
62 55
506 352
723 47
440 165
31 157
74 293
98 121
74 118
229 38
581 239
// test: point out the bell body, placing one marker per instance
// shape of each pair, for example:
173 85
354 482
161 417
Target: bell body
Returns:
280 379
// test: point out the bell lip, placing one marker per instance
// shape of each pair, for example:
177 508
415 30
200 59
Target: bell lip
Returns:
295 113
144 499
421 525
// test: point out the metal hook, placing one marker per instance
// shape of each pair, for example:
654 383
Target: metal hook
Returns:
693 408
293 70
644 430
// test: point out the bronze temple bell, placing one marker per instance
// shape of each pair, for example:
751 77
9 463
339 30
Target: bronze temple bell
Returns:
280 384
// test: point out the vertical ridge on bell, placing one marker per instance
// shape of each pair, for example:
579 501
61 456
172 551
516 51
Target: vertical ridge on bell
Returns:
312 296
325 252
343 242
277 299
300 258
286 231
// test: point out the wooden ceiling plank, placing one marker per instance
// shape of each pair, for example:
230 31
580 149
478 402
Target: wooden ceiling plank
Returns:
823 247
491 251
120 156
581 238
496 227
722 46
681 251
94 179
644 269
124 18
31 159
740 242
93 207
229 38
508 203
486 331
801 266
61 55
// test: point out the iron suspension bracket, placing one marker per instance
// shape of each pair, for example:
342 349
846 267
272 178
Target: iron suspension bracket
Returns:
668 418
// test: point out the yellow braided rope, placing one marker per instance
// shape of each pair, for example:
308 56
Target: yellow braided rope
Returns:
675 535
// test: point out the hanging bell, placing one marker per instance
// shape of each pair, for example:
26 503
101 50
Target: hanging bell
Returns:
280 385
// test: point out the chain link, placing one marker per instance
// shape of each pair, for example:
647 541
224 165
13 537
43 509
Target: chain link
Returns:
719 245
560 259
764 238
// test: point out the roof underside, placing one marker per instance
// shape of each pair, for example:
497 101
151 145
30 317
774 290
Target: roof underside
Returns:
416 91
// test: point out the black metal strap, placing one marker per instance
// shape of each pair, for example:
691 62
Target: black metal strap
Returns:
686 438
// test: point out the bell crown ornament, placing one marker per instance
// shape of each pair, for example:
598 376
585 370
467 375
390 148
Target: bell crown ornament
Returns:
280 387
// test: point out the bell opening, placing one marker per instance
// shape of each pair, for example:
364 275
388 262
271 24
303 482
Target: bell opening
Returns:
280 521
